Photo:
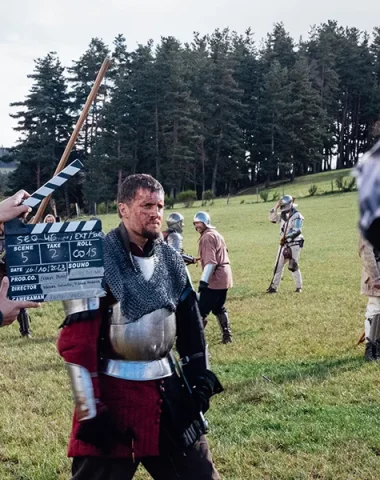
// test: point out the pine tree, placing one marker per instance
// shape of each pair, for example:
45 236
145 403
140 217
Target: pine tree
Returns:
177 115
224 140
44 124
306 119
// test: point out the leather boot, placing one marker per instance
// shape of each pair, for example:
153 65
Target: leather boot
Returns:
371 352
271 290
225 327
376 349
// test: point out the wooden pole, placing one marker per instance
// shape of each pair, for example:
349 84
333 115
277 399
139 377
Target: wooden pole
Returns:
62 163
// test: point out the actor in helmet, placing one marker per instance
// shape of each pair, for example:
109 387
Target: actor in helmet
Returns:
291 241
216 277
173 235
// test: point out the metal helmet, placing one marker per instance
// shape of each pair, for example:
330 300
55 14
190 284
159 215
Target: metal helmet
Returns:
286 203
203 217
175 221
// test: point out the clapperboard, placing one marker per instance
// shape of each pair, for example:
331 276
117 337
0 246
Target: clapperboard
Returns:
54 261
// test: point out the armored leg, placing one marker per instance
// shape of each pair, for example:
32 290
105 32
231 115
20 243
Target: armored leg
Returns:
294 268
372 330
278 273
225 327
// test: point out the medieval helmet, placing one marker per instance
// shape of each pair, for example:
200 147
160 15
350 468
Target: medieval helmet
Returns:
286 203
203 217
175 222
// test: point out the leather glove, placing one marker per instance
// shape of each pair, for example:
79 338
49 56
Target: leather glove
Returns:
205 385
202 286
282 241
102 432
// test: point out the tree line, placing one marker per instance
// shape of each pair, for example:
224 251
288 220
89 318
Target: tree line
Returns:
219 113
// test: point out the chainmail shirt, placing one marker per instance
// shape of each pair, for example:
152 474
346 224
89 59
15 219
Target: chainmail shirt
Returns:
138 296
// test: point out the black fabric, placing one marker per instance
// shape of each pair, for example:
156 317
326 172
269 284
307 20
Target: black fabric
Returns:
372 234
181 425
102 432
190 334
196 464
204 386
212 301
79 317
202 286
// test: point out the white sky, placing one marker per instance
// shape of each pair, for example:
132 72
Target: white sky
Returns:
31 28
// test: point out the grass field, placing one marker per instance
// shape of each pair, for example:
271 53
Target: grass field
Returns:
299 401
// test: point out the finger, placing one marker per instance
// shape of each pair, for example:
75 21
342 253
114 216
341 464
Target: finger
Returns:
4 288
21 195
17 211
25 304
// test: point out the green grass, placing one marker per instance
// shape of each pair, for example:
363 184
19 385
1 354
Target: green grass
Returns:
325 182
299 401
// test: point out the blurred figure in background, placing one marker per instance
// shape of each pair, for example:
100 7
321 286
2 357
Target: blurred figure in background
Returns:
216 277
291 241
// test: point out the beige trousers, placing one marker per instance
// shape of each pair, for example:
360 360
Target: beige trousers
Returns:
297 277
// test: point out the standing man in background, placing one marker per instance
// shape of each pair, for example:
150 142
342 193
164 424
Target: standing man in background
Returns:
216 277
291 241
173 235
370 286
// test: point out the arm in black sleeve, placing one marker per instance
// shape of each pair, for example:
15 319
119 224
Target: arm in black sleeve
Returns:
191 347
191 344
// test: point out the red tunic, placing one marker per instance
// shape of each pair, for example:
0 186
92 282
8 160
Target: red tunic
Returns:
134 405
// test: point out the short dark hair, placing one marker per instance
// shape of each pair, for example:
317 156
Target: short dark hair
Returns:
133 183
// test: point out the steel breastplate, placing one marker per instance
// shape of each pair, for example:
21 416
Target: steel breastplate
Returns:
149 338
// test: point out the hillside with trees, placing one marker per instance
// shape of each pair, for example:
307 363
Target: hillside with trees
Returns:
221 113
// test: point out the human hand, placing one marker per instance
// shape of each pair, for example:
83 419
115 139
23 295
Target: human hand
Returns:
11 308
202 286
282 241
10 208
102 432
205 385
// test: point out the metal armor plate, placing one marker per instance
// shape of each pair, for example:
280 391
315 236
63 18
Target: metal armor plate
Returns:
149 338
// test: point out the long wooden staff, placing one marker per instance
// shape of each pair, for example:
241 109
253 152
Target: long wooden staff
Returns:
62 163
279 253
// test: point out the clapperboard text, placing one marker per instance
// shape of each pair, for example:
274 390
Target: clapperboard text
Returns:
54 261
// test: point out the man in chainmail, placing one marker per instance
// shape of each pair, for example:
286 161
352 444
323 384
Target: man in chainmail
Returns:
216 277
131 406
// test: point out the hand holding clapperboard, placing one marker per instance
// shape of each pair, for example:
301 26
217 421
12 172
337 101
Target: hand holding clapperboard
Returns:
56 261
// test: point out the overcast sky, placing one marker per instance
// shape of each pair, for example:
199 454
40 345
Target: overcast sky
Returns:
31 28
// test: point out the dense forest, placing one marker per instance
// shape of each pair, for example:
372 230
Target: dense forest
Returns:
221 113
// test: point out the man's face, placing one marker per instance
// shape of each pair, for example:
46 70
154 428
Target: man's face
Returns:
200 227
143 215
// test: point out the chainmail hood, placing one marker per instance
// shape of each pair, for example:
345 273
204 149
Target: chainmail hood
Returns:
138 296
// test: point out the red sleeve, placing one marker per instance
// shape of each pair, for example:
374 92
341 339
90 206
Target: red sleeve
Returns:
78 344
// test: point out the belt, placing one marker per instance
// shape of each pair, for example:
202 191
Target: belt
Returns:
137 371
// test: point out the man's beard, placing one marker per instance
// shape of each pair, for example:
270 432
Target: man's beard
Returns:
150 235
